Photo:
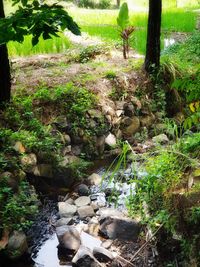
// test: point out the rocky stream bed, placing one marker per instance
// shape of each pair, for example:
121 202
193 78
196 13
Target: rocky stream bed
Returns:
88 227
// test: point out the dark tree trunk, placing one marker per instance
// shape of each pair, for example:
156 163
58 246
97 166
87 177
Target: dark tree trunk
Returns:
118 3
5 78
152 60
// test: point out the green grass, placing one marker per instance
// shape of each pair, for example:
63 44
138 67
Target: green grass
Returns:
54 45
179 20
102 24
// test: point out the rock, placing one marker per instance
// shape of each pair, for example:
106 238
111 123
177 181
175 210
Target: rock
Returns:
66 210
119 134
69 159
67 139
133 127
18 147
93 229
68 237
17 245
94 179
111 140
102 254
82 201
100 144
67 150
94 206
129 109
85 211
95 113
120 104
161 139
108 110
28 161
136 102
84 258
83 190
126 121
69 201
107 244
89 241
104 212
76 150
147 121
64 221
61 122
119 112
10 181
119 228
43 170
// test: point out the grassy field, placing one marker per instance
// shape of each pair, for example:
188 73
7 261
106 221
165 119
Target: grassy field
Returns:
54 45
102 23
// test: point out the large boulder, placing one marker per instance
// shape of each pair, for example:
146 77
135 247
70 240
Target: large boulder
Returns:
133 127
68 237
17 245
123 229
66 210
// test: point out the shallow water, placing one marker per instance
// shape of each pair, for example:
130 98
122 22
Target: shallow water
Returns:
48 254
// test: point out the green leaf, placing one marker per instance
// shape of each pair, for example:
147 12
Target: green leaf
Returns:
123 17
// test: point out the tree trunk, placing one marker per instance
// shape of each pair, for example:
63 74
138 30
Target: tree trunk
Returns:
5 78
152 59
118 3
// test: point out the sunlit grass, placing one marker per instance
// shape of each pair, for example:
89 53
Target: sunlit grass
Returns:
102 24
179 20
54 45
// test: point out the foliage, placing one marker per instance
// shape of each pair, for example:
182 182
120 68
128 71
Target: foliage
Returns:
16 210
126 29
101 4
36 19
90 52
189 86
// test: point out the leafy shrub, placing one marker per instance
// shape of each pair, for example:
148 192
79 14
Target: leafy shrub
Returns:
16 210
86 3
89 53
189 86
102 4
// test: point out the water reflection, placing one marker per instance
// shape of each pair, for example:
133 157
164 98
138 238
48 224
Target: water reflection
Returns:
48 254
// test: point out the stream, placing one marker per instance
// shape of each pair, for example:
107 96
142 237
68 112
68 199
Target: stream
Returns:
43 240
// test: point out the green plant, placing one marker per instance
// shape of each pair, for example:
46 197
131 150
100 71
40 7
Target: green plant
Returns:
16 210
189 86
125 29
110 75
104 4
90 52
